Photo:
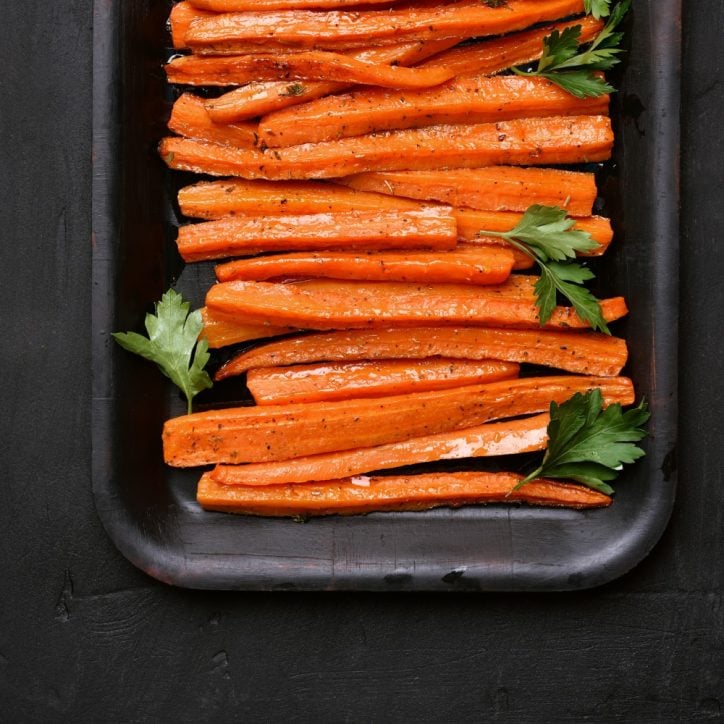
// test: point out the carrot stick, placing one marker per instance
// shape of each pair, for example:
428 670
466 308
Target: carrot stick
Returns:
350 380
313 65
221 332
281 432
182 15
588 353
256 99
467 100
510 437
497 188
234 6
190 119
465 265
311 29
216 199
374 305
529 141
236 236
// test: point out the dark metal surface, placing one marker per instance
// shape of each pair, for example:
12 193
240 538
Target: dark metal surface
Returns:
149 509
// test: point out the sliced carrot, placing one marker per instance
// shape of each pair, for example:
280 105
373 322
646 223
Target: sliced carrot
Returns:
350 380
311 29
497 188
466 265
256 99
529 141
588 353
222 332
468 100
216 199
234 6
510 437
392 493
190 119
375 305
313 65
181 17
237 236
281 432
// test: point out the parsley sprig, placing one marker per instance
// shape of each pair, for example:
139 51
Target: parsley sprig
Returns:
173 333
589 444
598 8
546 234
576 70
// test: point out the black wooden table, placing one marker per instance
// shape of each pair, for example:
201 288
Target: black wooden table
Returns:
84 637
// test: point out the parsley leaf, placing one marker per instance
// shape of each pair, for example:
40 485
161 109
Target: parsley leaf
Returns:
546 234
589 444
565 64
173 334
597 8
293 89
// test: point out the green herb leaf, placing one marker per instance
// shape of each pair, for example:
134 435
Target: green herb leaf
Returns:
173 344
293 89
597 8
589 444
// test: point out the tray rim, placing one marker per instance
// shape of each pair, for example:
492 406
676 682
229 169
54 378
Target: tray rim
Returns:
176 568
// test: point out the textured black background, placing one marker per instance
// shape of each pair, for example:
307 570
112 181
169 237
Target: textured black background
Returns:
85 637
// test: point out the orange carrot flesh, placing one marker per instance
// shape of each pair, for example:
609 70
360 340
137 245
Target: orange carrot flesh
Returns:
310 29
497 188
190 119
313 65
235 6
588 353
257 99
216 199
350 380
221 332
282 432
346 305
510 437
392 493
468 100
182 15
237 236
465 265
530 141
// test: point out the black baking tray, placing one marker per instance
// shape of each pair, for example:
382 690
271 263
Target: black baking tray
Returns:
149 510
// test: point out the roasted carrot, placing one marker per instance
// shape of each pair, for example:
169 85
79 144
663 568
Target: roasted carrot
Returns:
350 380
238 236
221 332
216 199
234 6
466 265
588 353
527 142
313 65
311 29
257 99
190 119
510 437
281 432
367 494
376 305
182 15
468 100
497 188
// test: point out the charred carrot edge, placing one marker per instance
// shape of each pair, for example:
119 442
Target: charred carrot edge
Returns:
497 188
216 199
349 305
237 236
399 492
469 100
190 119
523 142
282 432
464 265
257 99
181 17
234 6
510 437
307 28
313 65
579 352
221 332
350 380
